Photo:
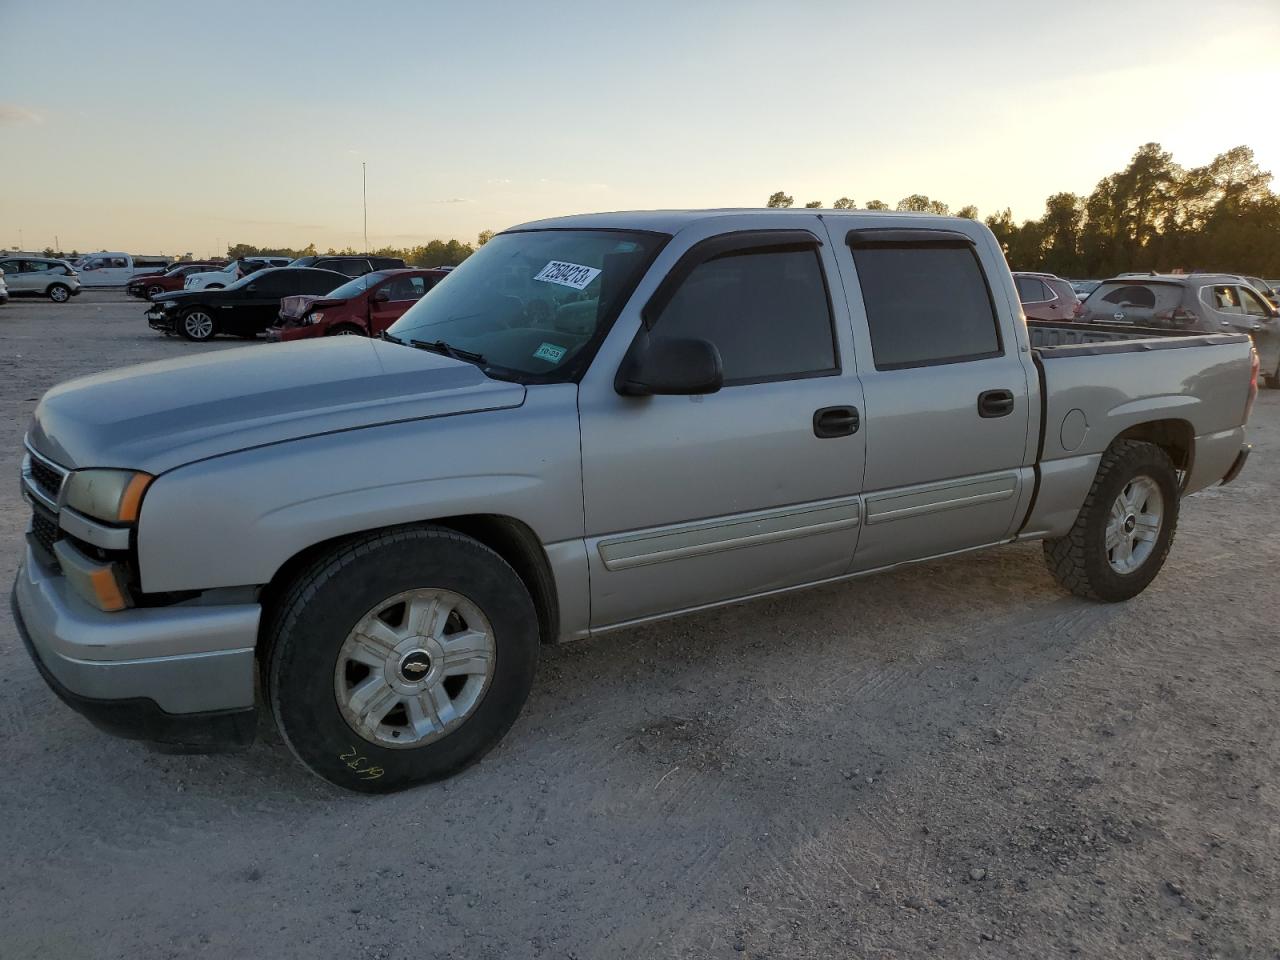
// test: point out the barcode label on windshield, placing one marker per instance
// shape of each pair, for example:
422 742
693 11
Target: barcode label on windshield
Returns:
567 274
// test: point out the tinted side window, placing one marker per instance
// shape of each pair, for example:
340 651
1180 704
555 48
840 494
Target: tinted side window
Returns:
766 310
1031 290
406 288
1253 304
352 268
315 283
926 304
1133 295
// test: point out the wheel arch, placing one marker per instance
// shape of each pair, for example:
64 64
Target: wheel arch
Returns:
511 539
1174 436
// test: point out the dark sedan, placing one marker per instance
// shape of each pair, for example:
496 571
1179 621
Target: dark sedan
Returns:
244 308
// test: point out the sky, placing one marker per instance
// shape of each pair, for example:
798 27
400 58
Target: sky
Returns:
151 128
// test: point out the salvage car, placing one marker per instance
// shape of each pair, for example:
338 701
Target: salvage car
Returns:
152 285
1197 302
352 266
243 309
1046 297
366 306
233 271
40 277
596 422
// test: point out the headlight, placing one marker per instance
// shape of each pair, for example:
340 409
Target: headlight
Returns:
314 317
110 495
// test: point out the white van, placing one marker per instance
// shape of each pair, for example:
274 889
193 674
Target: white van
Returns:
108 269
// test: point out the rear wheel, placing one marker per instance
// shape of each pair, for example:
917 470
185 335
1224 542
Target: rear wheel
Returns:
197 324
154 291
59 292
400 658
1125 528
345 330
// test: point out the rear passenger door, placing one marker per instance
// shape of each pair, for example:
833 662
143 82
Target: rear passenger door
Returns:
947 399
690 500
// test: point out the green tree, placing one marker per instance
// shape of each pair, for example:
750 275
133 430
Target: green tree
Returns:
919 203
484 237
844 203
877 205
813 205
969 212
780 200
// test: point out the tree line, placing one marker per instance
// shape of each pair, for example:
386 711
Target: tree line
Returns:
437 253
1153 215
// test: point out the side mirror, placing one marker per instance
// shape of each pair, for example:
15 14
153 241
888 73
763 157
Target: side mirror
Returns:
668 366
382 296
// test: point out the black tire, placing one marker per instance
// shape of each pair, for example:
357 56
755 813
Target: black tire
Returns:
154 291
345 330
308 627
1080 560
58 292
197 324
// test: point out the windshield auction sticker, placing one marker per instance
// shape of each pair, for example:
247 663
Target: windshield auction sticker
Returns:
567 274
550 351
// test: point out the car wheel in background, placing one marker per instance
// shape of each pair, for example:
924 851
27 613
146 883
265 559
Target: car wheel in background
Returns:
400 657
214 286
59 292
1123 532
154 291
345 330
197 325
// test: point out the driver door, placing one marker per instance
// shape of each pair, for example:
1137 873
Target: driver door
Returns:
699 499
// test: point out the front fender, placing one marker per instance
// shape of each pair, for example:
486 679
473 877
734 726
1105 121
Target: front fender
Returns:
234 520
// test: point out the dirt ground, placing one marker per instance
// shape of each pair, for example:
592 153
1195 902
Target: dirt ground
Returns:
957 759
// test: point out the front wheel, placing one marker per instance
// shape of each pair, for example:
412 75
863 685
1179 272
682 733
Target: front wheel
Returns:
197 325
1123 532
154 291
345 330
400 658
59 293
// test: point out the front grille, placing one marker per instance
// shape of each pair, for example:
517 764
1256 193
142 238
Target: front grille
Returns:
46 478
44 527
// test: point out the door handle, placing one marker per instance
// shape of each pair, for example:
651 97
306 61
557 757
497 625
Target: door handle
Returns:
831 422
995 403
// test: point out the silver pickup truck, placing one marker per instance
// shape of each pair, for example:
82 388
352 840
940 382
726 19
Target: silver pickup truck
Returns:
594 422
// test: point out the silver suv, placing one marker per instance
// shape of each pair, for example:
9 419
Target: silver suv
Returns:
40 276
1199 302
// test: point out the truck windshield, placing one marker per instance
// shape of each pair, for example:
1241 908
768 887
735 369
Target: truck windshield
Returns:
534 303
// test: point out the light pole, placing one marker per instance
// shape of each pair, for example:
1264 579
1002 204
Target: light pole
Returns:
364 188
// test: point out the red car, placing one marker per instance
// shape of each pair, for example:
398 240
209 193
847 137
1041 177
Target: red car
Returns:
149 285
366 306
1046 297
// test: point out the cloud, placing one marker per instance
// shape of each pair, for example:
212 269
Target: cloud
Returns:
499 180
12 113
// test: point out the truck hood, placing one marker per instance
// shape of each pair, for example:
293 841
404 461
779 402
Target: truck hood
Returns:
158 416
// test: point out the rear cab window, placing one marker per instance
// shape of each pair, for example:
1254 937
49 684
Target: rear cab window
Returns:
927 302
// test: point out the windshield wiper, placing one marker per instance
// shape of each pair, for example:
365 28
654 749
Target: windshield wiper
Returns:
439 346
387 336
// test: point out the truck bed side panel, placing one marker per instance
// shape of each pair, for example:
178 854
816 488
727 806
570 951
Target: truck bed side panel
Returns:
1096 391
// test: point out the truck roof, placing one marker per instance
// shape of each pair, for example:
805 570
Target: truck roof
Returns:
672 221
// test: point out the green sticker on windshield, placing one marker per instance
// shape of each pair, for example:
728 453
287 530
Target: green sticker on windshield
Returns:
549 351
